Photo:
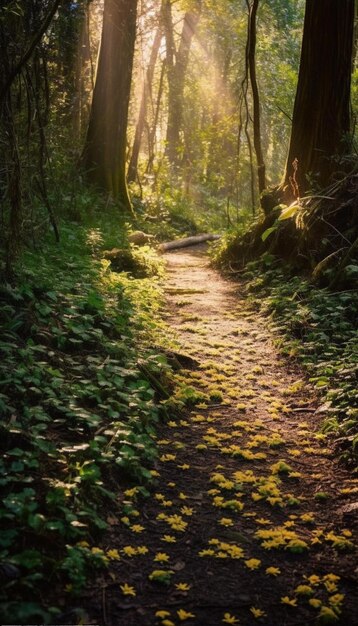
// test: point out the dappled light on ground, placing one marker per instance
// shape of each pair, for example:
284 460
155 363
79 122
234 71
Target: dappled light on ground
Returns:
245 522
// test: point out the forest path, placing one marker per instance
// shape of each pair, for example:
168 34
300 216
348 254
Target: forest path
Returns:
246 523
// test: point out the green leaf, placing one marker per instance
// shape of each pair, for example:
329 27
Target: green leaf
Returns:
288 212
268 232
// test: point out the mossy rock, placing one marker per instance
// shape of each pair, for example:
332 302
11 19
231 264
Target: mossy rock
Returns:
123 260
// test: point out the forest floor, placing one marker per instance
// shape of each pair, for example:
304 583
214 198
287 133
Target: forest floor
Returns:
250 520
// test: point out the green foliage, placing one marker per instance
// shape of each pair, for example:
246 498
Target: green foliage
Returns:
169 213
318 328
81 393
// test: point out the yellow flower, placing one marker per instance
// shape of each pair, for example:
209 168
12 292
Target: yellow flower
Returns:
273 571
331 577
161 575
176 522
162 614
171 484
230 619
183 615
289 524
184 466
130 493
289 601
113 554
221 555
167 457
127 590
327 615
159 497
207 552
161 557
142 550
337 599
315 602
129 550
257 613
235 552
253 563
167 622
226 521
83 544
182 586
187 510
154 473
137 528
168 539
304 590
182 496
125 519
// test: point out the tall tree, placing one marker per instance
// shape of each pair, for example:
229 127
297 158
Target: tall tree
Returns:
321 115
146 93
104 154
177 64
252 6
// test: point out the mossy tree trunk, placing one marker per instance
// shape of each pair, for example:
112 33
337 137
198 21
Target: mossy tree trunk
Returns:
321 115
104 154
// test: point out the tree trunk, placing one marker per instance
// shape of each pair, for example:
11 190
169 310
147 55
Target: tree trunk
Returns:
104 154
152 131
251 49
321 115
147 89
177 64
83 74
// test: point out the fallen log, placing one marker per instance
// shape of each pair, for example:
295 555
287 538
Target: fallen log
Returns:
188 241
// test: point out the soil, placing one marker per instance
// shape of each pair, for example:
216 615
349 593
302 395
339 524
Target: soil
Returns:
265 515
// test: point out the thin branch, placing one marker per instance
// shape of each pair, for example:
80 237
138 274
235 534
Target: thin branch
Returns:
35 41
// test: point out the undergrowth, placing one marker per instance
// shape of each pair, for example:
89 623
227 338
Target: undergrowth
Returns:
83 386
319 329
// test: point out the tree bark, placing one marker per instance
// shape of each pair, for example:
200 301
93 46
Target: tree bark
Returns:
177 64
321 115
251 51
104 154
188 241
152 131
147 89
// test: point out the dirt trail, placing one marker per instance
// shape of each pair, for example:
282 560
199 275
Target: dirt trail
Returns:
246 523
